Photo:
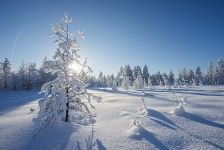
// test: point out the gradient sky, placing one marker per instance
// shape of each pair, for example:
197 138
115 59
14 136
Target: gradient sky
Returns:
164 34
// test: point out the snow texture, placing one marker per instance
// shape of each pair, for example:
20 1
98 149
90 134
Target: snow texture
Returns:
121 122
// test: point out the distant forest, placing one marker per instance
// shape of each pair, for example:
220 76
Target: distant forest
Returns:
29 77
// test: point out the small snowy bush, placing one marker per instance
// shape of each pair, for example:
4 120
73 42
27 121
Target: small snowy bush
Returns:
143 111
180 100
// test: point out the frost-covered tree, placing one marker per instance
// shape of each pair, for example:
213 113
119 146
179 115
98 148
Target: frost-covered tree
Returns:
138 83
32 76
6 73
66 98
101 79
220 71
126 82
191 77
22 73
210 73
136 71
145 74
198 76
129 73
149 81
127 79
171 78
45 76
166 82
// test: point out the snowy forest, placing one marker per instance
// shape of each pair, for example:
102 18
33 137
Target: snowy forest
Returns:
29 77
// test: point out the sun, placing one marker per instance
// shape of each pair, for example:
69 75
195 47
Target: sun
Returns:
75 67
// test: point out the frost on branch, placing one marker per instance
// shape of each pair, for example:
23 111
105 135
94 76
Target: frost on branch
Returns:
66 98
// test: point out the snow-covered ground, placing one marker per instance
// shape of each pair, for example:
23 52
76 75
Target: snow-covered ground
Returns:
120 123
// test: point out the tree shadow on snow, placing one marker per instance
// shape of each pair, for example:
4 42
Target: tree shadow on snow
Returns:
51 137
199 119
161 119
17 99
145 134
100 145
90 143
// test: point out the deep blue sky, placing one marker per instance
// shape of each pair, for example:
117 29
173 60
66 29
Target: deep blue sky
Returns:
160 33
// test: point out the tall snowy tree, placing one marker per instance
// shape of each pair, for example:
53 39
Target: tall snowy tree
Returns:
23 75
6 72
220 71
145 74
171 78
191 77
198 76
136 71
210 73
166 81
31 75
128 74
65 97
138 83
101 79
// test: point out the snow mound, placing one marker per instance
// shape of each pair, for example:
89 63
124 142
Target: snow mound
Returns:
144 112
179 110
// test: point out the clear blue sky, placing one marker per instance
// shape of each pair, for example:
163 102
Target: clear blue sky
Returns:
164 34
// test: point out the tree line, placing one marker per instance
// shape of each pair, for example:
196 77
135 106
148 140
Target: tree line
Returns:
132 76
29 77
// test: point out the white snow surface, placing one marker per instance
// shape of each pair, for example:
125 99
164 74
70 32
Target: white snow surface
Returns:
121 122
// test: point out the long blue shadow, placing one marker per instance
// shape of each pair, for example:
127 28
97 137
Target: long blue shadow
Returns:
144 134
12 100
199 119
100 145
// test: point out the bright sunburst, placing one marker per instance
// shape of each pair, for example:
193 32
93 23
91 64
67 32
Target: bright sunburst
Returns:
75 67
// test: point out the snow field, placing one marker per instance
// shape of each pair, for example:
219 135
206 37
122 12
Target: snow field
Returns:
122 122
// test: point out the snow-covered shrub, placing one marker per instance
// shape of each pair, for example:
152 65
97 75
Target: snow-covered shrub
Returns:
144 110
66 98
180 102
178 110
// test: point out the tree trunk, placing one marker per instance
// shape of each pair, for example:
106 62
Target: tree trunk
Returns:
67 106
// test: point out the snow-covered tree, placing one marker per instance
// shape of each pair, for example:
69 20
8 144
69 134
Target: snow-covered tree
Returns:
149 81
210 73
101 80
220 71
171 78
190 77
126 82
22 73
6 73
138 83
127 77
32 76
136 70
65 97
166 82
145 74
198 76
129 73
